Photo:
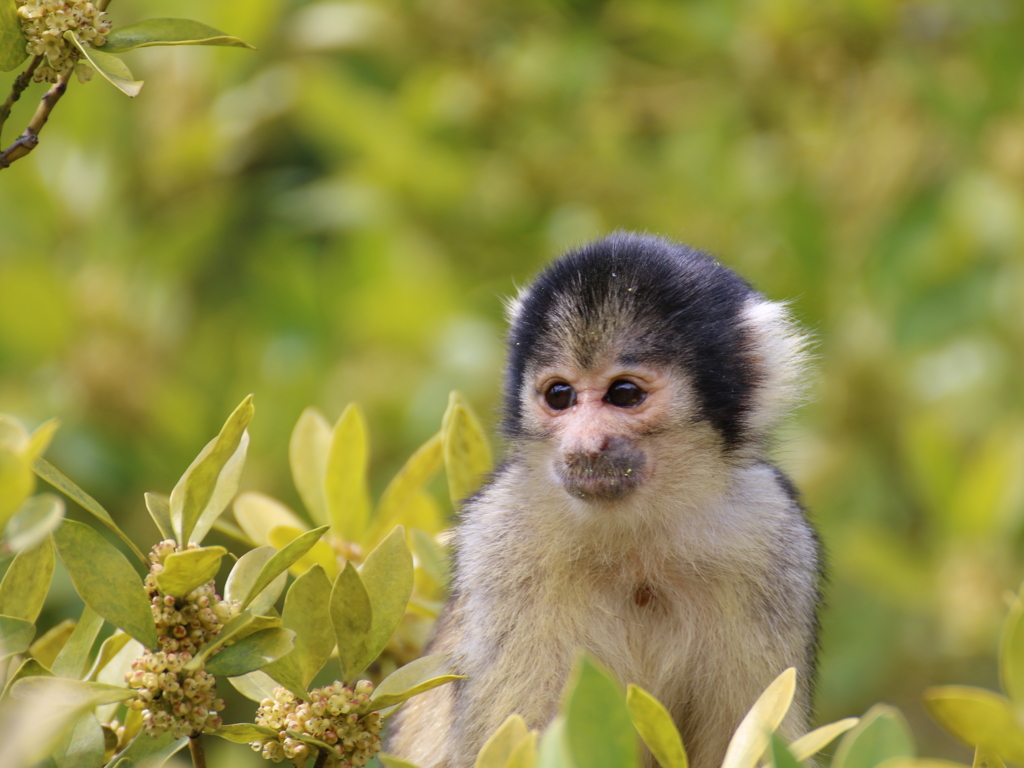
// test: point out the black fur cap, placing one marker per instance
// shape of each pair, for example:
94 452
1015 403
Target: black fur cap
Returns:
648 301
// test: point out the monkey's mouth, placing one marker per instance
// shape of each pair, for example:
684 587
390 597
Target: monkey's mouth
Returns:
602 477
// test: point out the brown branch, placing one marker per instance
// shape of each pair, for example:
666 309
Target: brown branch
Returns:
30 138
195 746
20 84
321 759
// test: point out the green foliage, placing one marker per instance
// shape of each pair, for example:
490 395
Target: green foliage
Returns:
12 39
168 32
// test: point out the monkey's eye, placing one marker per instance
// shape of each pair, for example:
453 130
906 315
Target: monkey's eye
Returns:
624 394
560 396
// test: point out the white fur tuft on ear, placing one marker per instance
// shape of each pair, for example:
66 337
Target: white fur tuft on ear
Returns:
513 306
779 351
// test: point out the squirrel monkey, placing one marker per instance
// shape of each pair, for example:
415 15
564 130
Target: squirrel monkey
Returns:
635 513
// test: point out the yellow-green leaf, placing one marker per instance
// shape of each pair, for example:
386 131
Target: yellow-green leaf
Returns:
27 581
524 755
16 483
384 701
598 728
498 748
168 32
252 652
111 647
243 733
255 686
431 558
242 625
212 479
553 751
754 733
105 580
1011 654
390 761
307 454
388 577
12 39
48 645
28 668
811 743
882 733
656 727
307 612
986 758
69 488
74 655
83 746
282 561
258 515
184 571
15 635
35 520
319 554
40 439
412 674
65 692
467 453
112 68
244 574
979 718
345 485
405 486
159 507
781 755
352 618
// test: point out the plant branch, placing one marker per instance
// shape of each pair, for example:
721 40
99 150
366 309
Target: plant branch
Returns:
321 759
195 746
102 5
20 84
30 138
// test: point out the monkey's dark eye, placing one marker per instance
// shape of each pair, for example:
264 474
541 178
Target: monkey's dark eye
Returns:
560 396
624 394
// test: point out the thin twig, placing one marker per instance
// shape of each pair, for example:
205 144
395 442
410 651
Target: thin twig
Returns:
102 5
321 759
195 746
20 84
30 138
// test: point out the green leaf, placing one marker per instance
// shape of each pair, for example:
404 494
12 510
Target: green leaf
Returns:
66 693
412 674
112 68
56 478
431 557
352 618
307 454
27 581
244 574
83 746
243 733
159 506
12 39
811 743
467 454
168 32
388 577
321 553
882 733
401 492
184 571
15 635
553 751
74 655
255 686
986 758
498 748
109 650
148 752
753 735
28 668
387 700
307 612
280 562
105 580
390 761
242 625
212 479
34 521
1011 654
656 727
259 514
345 486
16 481
781 756
599 731
978 718
48 645
252 652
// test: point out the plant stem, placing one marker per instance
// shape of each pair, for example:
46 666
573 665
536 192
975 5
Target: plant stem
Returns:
30 138
20 84
102 5
195 746
321 759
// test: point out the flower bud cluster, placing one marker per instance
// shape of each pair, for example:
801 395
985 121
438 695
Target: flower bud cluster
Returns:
45 22
169 696
335 714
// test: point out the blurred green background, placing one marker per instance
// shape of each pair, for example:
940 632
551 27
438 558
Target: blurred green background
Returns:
338 216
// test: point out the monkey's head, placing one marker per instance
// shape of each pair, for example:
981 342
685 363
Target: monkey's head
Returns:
634 359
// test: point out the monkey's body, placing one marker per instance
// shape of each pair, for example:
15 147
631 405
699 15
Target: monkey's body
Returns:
653 534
